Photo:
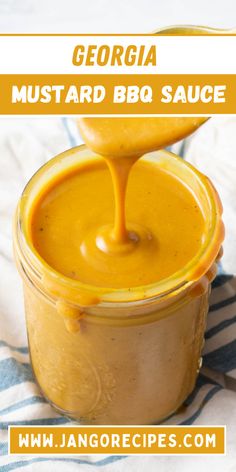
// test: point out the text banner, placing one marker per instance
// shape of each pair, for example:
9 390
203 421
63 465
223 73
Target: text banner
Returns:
117 440
123 95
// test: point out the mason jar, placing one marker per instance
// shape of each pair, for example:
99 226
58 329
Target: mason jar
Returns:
116 356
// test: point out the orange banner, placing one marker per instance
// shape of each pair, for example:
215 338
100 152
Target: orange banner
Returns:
101 94
117 440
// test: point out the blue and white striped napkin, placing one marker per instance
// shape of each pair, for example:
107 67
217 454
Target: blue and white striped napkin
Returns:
25 144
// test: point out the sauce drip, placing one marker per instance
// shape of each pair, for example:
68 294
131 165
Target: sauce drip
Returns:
122 141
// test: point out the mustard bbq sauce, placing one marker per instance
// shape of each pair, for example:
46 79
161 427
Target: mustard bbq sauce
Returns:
122 141
71 220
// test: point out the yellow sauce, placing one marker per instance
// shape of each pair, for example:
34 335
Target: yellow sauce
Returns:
72 226
124 137
122 141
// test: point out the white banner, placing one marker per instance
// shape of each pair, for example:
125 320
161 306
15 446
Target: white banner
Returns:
49 54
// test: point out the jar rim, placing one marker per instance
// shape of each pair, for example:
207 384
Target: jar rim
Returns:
85 294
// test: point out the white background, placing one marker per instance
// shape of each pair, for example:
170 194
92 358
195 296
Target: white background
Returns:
112 16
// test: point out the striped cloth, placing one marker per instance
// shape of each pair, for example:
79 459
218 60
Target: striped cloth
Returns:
24 145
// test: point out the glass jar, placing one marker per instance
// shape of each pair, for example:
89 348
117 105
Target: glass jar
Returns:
112 356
